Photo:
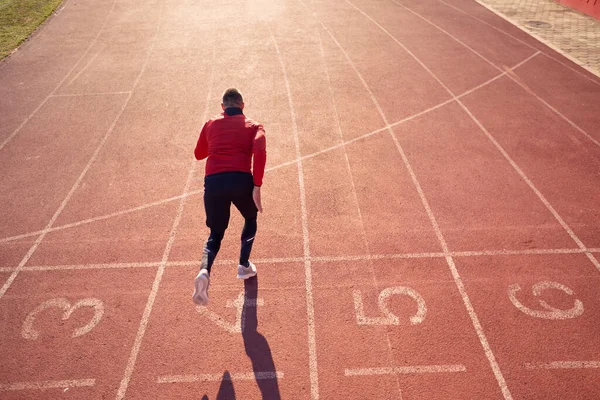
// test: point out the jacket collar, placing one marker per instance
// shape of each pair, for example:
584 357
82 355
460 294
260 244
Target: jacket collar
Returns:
230 111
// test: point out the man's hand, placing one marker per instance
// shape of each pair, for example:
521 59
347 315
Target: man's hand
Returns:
256 198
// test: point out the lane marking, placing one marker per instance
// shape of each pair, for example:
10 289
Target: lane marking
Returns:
66 200
89 94
240 319
457 279
563 365
78 74
100 218
507 71
313 259
270 169
172 234
18 129
62 206
485 131
415 369
236 376
30 333
549 312
389 318
310 308
354 191
41 385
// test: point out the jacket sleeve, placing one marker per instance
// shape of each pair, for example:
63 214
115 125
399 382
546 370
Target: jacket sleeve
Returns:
201 151
259 151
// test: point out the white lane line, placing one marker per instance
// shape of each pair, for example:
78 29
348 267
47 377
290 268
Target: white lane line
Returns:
18 129
89 94
236 376
66 200
560 220
86 65
458 280
563 365
413 369
167 252
487 133
287 163
532 34
354 191
37 242
101 217
498 76
315 259
310 308
62 206
41 385
510 76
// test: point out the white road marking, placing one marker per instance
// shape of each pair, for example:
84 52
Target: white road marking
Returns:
240 320
18 129
30 333
310 310
415 369
89 94
471 311
388 317
41 385
366 257
549 312
172 234
563 365
236 376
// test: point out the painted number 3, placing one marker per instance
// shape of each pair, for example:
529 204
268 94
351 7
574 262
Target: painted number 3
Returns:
549 312
29 332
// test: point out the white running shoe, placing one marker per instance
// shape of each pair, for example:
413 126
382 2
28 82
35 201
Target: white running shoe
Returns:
246 272
201 284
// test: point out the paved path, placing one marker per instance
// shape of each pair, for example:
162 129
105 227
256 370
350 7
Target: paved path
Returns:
574 33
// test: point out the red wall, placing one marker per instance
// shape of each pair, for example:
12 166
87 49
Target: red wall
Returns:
589 7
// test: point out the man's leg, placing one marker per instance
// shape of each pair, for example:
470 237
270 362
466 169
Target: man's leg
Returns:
216 205
248 234
211 249
245 204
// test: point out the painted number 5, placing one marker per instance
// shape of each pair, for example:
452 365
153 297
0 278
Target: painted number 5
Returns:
29 332
388 317
549 312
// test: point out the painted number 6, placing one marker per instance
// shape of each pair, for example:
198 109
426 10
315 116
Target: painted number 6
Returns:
549 312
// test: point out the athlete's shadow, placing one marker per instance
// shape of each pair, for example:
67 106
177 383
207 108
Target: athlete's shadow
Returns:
226 391
257 347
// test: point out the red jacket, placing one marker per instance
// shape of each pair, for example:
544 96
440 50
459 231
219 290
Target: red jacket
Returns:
229 142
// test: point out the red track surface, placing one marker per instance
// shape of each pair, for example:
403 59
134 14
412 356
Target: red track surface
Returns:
432 224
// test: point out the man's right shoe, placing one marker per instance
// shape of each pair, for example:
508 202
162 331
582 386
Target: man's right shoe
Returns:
246 272
201 284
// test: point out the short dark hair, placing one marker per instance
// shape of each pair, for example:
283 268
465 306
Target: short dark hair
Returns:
232 97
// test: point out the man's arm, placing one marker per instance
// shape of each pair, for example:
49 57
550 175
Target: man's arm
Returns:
201 151
259 151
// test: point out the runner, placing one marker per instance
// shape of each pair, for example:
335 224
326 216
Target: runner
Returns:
230 140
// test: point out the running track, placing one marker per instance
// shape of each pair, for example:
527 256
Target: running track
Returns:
432 205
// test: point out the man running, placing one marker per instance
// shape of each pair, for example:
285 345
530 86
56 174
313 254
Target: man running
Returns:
230 141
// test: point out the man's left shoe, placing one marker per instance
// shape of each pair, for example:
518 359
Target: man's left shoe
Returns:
246 272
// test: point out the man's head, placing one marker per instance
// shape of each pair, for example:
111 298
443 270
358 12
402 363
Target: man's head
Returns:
232 98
